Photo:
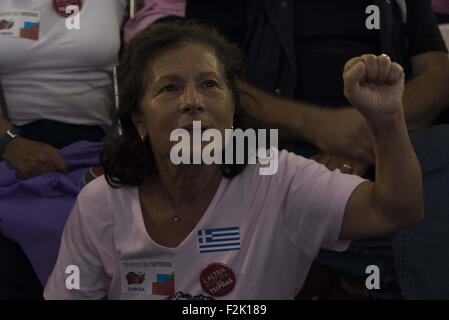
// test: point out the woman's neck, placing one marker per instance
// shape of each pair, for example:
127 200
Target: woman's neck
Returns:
185 185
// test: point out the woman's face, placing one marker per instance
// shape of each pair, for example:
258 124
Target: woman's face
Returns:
185 84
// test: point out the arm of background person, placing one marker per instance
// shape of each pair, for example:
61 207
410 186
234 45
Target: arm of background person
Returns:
426 96
341 131
427 93
30 158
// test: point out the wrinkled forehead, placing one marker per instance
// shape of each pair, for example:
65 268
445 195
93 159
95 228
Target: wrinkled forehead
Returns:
189 60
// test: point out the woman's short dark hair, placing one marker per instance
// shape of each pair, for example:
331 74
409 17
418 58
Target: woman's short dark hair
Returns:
126 160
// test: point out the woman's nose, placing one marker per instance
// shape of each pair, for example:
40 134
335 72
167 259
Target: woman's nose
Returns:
191 101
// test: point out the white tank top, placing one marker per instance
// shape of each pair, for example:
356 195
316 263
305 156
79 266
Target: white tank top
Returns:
63 75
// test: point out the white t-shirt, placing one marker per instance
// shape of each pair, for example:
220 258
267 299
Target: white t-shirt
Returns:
267 229
64 75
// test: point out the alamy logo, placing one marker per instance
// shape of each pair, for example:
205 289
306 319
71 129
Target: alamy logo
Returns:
73 21
189 149
373 21
72 282
373 280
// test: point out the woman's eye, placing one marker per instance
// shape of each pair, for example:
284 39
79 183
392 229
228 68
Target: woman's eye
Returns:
210 84
169 88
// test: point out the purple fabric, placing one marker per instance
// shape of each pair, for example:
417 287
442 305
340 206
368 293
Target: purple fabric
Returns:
33 212
441 6
153 10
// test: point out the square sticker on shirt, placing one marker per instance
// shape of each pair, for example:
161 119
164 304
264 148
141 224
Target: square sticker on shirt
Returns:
20 24
154 276
219 239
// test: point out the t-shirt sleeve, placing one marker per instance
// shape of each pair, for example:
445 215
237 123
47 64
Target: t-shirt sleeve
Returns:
422 28
314 203
77 250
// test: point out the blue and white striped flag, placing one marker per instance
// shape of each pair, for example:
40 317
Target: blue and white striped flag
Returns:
219 239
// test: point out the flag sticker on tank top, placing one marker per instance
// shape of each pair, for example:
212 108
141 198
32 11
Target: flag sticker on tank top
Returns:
154 276
90 175
219 239
20 24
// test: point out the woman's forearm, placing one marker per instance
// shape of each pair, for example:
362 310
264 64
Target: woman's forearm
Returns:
397 192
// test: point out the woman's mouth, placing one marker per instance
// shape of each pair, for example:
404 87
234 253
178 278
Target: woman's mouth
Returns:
191 127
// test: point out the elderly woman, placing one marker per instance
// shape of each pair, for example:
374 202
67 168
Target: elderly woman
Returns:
150 229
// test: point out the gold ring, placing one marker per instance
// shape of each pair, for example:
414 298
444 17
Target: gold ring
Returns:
346 166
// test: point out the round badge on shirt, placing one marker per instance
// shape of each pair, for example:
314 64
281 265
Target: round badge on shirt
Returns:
217 279
61 5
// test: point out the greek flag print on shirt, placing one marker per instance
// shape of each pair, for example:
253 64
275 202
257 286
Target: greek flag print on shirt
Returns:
219 239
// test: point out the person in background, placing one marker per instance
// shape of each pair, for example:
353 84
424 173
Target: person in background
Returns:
56 81
149 11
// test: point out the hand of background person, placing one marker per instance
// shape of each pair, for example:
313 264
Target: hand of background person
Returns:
345 164
343 132
31 158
